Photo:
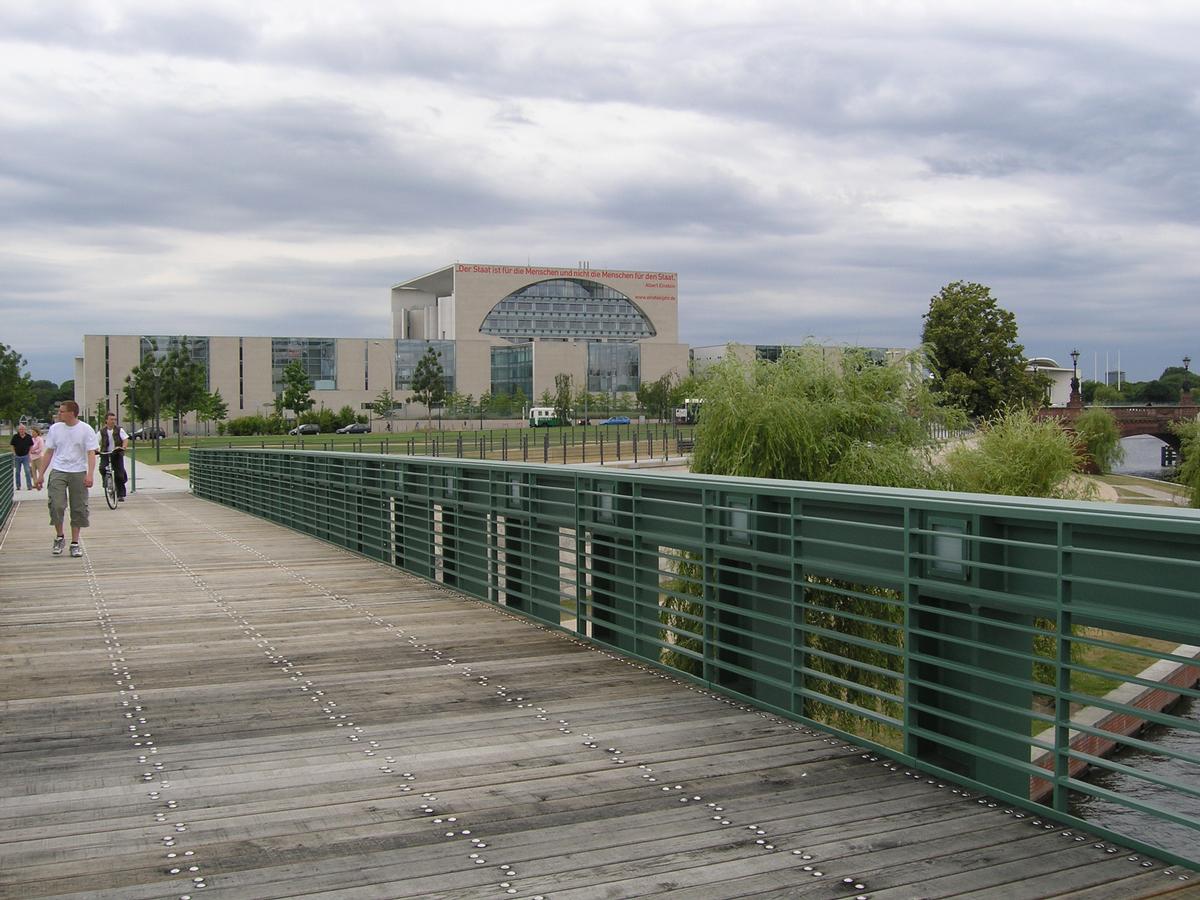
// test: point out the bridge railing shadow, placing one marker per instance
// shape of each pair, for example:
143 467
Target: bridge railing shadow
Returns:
959 633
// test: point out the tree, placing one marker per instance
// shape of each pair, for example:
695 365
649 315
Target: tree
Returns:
429 382
183 386
976 361
385 406
803 417
144 393
297 388
16 387
212 407
655 396
562 398
1189 451
1097 431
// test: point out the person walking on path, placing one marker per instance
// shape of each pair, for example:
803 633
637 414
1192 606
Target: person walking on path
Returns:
22 443
39 447
114 440
70 458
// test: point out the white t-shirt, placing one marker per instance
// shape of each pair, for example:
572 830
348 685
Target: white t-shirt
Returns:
71 444
122 437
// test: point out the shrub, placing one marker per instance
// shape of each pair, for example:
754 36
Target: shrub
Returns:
1019 455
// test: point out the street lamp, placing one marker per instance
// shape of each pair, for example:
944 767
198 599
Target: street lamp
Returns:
1187 361
1076 399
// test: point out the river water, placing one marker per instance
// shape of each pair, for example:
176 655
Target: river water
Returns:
1104 812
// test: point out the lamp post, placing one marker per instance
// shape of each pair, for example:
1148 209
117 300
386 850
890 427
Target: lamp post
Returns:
1185 397
1076 399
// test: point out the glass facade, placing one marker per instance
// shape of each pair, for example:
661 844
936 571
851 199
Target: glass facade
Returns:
512 368
318 356
613 368
160 345
409 353
568 309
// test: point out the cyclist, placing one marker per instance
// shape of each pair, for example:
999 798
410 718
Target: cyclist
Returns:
115 441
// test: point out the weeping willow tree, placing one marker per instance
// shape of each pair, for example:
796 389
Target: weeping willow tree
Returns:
1189 469
830 416
1019 455
817 414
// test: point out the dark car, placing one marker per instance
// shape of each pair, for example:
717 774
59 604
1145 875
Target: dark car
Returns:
616 420
355 428
306 428
149 433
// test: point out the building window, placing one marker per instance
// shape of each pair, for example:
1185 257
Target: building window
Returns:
317 356
512 369
579 308
159 345
409 353
241 374
613 368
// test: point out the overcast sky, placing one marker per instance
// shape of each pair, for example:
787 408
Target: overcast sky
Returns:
809 169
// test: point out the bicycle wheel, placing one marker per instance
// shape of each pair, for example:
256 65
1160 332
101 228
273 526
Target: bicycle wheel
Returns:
110 489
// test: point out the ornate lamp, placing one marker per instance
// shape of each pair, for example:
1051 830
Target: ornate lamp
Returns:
1076 398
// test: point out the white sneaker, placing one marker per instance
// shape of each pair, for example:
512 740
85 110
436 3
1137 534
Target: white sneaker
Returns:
59 543
76 550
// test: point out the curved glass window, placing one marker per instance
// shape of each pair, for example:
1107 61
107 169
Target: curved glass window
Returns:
569 308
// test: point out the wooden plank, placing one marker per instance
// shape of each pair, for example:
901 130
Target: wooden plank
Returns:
213 616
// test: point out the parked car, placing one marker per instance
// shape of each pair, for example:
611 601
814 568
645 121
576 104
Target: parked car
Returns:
149 433
306 428
616 420
355 428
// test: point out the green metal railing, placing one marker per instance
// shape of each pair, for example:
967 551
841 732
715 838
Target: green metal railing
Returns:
6 486
955 632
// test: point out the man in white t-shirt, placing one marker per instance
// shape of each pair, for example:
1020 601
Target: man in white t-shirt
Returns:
70 458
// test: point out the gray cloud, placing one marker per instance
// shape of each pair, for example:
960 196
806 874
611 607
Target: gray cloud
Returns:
806 172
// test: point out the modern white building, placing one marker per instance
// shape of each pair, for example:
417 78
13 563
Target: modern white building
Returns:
1060 379
497 329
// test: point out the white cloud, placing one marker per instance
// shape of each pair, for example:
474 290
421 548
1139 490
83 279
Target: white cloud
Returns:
807 168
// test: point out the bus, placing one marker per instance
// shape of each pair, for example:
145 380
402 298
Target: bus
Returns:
544 417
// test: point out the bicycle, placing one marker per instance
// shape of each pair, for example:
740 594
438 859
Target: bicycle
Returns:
109 480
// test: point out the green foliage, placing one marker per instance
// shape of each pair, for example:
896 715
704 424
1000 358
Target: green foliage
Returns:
562 398
1097 431
1189 468
384 406
1106 394
1155 392
802 417
655 397
1016 454
16 387
297 388
976 361
429 381
248 425
346 416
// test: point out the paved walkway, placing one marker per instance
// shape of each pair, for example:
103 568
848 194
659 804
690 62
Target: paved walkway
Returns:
150 480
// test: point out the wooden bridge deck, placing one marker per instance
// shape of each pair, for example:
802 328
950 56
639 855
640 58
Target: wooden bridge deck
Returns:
208 705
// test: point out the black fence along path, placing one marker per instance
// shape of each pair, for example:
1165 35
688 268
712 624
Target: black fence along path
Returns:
208 705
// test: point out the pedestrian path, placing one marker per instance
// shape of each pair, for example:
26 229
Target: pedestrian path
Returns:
150 480
211 705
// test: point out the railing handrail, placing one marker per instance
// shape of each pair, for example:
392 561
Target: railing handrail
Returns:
798 596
